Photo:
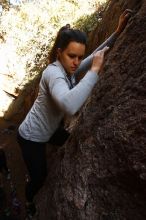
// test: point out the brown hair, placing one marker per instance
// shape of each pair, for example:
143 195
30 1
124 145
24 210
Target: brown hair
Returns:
64 37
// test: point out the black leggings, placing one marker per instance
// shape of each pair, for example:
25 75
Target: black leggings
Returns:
34 155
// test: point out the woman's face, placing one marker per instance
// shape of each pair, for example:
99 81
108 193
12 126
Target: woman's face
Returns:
71 56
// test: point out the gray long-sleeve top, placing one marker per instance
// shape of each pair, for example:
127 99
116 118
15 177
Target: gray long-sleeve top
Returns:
56 98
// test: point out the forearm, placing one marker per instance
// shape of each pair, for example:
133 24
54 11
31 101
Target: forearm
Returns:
86 63
109 42
70 101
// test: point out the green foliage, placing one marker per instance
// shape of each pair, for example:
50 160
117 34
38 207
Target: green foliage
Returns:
29 30
5 4
87 23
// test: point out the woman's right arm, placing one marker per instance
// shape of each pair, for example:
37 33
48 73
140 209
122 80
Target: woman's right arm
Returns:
71 100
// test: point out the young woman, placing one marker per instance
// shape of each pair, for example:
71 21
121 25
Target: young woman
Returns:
59 95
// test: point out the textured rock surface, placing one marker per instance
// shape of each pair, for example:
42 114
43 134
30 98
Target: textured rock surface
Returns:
100 174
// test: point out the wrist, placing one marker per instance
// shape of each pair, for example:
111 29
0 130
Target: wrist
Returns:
95 70
117 31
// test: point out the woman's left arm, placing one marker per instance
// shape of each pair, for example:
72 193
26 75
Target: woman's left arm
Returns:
86 63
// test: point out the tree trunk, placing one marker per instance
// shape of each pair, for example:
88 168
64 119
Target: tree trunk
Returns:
100 173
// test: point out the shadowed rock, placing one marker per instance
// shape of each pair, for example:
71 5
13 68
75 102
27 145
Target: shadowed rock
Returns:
100 173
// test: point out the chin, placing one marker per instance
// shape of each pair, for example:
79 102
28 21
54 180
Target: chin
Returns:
70 73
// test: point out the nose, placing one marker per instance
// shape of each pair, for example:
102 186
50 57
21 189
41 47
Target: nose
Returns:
76 61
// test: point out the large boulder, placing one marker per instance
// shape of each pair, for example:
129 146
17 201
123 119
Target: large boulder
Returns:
100 173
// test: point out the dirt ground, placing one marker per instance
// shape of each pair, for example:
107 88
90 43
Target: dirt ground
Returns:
12 204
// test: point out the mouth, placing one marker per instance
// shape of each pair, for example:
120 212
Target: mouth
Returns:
73 68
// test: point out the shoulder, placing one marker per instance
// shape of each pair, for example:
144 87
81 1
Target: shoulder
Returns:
53 70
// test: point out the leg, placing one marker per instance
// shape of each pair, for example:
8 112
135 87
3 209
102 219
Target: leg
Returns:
34 155
3 161
37 168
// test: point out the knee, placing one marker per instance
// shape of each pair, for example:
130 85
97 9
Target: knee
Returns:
42 178
39 179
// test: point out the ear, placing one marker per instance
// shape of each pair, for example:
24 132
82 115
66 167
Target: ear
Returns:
59 50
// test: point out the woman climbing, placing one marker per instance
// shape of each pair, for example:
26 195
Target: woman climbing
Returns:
59 95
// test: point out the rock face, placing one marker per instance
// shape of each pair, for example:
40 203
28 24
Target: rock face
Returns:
100 173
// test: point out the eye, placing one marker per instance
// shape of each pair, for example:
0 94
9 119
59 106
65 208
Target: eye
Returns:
72 56
80 57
